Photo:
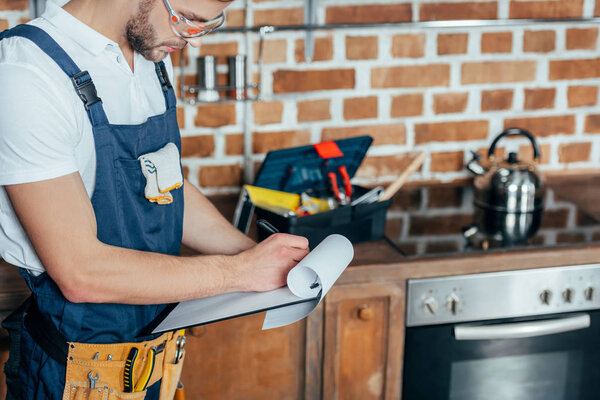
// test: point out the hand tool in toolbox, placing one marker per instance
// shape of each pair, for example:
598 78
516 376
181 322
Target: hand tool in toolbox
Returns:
323 171
415 163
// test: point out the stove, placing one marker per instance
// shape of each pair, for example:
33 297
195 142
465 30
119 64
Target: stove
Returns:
436 220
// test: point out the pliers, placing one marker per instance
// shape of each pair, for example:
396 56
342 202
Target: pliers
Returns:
343 198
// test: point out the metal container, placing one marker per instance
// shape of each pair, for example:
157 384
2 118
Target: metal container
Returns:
207 78
509 194
237 77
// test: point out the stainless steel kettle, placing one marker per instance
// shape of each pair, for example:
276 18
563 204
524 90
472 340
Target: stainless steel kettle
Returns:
509 194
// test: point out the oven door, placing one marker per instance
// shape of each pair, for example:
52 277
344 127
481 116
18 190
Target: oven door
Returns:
554 357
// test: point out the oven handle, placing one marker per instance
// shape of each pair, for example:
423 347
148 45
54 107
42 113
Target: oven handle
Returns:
522 329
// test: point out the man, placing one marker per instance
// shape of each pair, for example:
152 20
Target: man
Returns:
100 258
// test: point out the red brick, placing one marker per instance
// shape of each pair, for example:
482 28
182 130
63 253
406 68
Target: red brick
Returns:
574 152
536 99
452 43
197 146
555 219
450 102
267 141
215 115
546 9
525 153
451 131
381 134
220 175
492 100
287 81
498 72
186 172
597 9
406 105
360 108
411 76
581 96
447 162
3 24
496 42
574 69
585 39
374 167
13 5
220 50
235 18
267 112
314 110
539 41
234 144
181 117
408 45
279 17
274 51
373 14
544 126
592 123
322 51
451 11
361 47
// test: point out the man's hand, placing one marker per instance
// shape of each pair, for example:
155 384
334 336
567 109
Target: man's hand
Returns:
265 266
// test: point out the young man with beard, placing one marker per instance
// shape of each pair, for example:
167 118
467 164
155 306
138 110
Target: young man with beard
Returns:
85 92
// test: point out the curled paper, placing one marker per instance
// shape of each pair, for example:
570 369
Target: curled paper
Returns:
308 282
312 278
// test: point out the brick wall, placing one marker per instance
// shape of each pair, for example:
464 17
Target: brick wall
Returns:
442 90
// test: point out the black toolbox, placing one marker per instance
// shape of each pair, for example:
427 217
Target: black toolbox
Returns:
307 169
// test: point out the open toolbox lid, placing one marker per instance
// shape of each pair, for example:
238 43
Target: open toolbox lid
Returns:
299 169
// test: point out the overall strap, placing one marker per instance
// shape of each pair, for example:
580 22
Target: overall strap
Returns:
82 81
165 83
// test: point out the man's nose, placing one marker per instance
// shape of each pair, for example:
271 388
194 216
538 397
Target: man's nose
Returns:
194 42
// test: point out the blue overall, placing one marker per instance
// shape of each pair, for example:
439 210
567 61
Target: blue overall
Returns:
124 217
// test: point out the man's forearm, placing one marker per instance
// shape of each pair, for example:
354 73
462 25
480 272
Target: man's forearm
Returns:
109 274
206 230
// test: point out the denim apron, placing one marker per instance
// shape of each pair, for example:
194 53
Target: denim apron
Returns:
124 217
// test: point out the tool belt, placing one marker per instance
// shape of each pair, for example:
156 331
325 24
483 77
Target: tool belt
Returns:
115 370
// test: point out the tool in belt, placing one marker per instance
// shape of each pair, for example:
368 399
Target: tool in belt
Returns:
58 348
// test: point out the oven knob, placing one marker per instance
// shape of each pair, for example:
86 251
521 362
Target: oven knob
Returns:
568 295
588 293
452 303
545 296
430 305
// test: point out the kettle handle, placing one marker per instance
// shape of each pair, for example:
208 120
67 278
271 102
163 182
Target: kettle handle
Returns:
514 132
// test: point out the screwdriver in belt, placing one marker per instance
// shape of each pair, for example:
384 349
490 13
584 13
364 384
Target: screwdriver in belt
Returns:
128 373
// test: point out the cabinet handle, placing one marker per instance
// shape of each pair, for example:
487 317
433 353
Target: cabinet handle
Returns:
365 313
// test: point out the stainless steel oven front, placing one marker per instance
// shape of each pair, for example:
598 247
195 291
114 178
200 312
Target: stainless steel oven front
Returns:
519 335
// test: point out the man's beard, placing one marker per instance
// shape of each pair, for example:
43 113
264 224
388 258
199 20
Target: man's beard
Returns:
142 37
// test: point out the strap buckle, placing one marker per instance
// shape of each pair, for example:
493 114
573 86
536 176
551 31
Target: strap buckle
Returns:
86 90
163 77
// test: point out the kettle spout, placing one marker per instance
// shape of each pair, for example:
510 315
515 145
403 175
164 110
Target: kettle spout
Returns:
474 167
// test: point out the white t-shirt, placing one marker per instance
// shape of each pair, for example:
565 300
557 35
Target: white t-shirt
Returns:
45 132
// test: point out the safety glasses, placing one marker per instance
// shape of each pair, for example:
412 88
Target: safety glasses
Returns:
186 29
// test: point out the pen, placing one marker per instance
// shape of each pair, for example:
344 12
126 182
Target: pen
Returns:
266 225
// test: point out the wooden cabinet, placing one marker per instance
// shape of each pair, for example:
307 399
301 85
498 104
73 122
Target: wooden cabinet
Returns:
363 340
235 359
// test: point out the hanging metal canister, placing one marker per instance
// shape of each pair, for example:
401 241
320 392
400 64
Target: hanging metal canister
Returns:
207 78
237 77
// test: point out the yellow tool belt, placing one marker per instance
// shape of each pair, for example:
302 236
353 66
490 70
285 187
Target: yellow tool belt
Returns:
100 371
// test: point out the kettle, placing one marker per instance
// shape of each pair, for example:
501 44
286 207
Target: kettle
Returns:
509 194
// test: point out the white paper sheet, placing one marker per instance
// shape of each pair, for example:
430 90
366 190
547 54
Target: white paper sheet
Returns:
319 269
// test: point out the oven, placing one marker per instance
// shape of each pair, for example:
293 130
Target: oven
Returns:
520 335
